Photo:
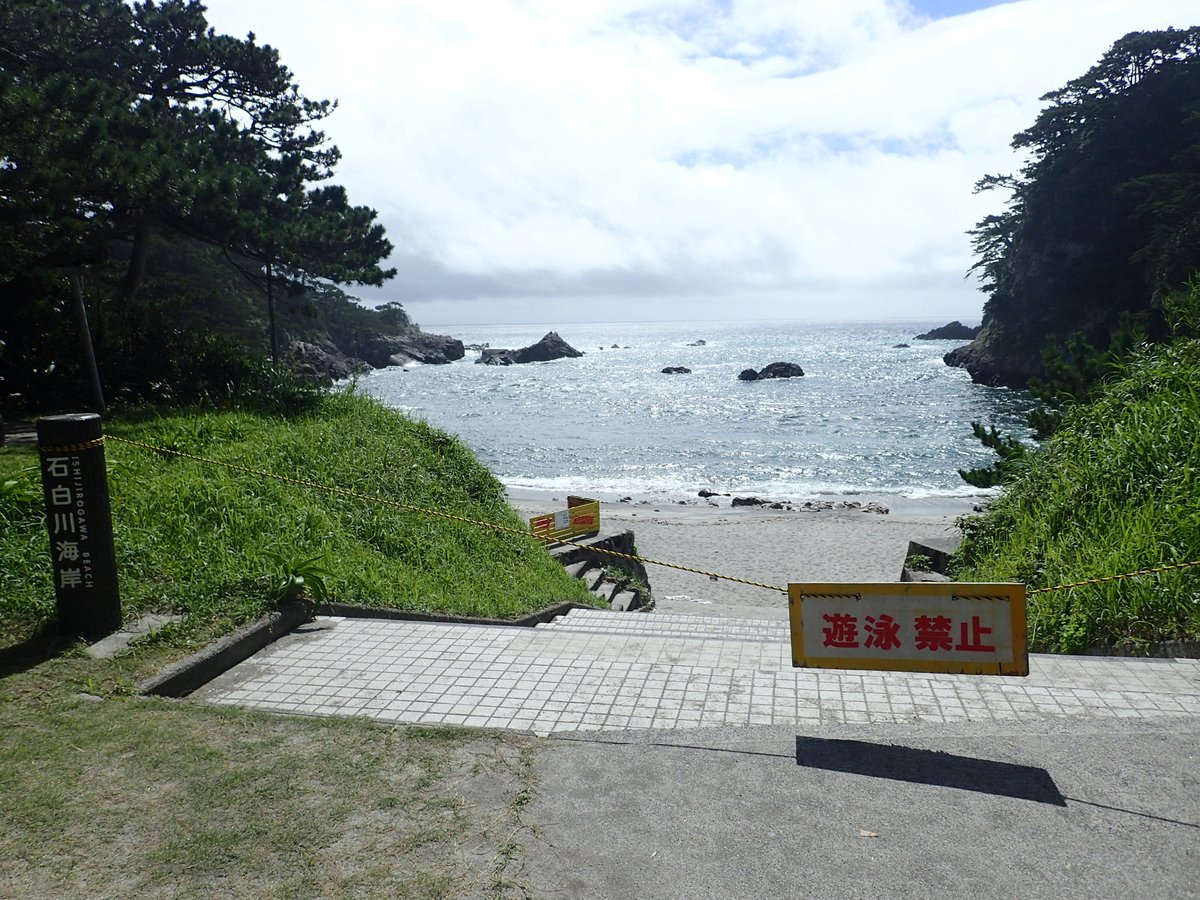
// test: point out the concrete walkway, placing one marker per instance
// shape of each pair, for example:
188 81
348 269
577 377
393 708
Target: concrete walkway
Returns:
594 670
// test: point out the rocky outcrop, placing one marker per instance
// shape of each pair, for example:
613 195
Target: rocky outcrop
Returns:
416 346
677 370
992 360
774 370
548 348
322 362
954 331
870 507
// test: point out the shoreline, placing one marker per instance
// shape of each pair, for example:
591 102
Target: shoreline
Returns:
546 500
773 546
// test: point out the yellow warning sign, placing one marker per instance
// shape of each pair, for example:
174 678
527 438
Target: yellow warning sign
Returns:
970 629
582 516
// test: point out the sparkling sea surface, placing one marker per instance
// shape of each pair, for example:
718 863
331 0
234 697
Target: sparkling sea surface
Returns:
867 418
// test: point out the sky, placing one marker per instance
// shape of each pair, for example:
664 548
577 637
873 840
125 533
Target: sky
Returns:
673 160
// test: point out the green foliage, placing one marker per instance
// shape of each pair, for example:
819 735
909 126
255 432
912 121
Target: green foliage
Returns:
17 492
118 120
1075 373
1100 219
196 539
295 579
1012 455
918 562
212 371
1115 490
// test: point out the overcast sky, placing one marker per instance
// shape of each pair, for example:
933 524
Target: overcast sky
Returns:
615 160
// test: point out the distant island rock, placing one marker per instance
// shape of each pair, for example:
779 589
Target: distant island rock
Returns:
954 331
550 347
900 346
774 370
699 343
677 370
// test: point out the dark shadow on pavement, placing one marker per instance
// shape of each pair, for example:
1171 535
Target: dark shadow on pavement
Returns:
929 767
1133 812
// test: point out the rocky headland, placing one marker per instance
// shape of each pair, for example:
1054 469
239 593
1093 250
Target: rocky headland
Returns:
355 339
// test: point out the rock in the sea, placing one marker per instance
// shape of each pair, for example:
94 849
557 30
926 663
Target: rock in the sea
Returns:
900 346
699 343
677 370
781 370
774 370
550 347
323 362
490 357
954 331
417 346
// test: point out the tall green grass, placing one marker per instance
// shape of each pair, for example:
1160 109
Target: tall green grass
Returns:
210 543
1116 490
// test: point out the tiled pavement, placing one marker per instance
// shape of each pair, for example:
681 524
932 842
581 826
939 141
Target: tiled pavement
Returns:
599 670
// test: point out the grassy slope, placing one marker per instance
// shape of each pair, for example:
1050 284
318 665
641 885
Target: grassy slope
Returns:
199 539
1116 490
145 797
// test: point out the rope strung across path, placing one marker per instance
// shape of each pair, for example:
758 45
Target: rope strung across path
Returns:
73 448
1107 578
371 498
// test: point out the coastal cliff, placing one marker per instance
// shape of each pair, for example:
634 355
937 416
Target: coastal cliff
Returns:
1101 221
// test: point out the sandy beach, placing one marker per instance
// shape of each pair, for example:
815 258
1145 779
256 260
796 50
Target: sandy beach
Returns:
758 544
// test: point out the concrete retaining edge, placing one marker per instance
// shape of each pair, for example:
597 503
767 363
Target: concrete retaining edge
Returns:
181 678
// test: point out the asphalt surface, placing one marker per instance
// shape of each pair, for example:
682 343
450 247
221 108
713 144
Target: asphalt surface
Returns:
1065 808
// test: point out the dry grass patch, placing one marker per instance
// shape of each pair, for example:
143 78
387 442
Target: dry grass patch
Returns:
137 797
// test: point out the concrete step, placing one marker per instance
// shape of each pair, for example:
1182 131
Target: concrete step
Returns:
668 625
622 600
605 591
577 569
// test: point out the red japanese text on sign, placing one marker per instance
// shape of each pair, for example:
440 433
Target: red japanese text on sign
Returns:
943 627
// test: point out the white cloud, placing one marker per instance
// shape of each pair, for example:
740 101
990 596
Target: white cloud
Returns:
658 159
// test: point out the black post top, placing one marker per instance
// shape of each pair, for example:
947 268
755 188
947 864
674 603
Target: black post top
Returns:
70 428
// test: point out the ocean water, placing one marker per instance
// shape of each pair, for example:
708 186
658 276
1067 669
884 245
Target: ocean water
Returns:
867 418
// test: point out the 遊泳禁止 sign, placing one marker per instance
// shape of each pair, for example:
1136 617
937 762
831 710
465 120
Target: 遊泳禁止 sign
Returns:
975 629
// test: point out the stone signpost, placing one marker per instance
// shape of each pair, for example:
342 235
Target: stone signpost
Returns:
78 519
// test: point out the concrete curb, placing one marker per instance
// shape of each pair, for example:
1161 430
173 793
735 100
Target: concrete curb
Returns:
528 620
181 678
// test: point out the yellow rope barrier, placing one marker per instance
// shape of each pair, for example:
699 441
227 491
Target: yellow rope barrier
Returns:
371 498
73 448
1107 578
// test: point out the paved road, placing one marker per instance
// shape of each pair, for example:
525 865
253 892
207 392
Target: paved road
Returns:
1042 808
686 758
